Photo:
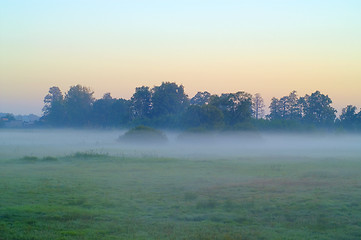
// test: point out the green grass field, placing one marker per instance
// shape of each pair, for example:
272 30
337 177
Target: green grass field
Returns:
93 196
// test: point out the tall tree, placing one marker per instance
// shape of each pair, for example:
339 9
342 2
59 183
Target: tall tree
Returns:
317 109
200 98
78 105
294 107
349 118
258 106
286 108
275 111
102 111
348 114
205 116
120 112
53 110
141 103
236 107
168 99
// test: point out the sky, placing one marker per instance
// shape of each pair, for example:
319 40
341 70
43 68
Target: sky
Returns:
269 47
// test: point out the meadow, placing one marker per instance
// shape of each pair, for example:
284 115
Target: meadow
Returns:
49 190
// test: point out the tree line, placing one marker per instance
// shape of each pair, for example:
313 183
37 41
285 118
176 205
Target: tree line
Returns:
168 106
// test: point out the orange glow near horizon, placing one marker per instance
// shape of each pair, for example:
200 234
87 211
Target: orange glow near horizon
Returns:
269 48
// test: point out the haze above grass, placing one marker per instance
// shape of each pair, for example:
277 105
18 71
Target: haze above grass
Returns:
79 184
60 142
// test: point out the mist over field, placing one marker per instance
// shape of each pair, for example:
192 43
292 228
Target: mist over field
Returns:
90 184
179 120
40 142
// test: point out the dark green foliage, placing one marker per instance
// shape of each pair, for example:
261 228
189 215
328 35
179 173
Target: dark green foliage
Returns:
49 159
167 106
167 99
257 106
311 111
349 114
236 107
33 159
287 108
206 116
89 155
143 135
54 108
78 104
120 112
102 111
29 159
141 103
350 119
201 98
317 109
110 112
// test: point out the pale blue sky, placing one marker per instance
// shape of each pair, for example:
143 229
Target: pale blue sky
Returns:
271 47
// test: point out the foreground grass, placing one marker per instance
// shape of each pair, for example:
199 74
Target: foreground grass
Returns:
94 196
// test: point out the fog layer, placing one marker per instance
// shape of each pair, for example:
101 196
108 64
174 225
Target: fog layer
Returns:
34 142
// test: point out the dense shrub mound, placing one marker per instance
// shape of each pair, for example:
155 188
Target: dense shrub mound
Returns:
144 135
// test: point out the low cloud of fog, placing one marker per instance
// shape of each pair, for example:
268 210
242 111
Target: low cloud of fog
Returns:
60 142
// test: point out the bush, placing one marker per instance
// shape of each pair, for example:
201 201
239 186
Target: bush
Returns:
143 135
49 159
29 159
88 155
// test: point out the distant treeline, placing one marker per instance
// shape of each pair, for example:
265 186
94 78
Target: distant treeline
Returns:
167 106
8 120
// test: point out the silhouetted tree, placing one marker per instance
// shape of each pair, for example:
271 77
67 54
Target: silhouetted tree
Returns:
110 112
200 98
120 112
350 119
317 109
236 107
293 106
168 106
54 109
141 103
78 105
348 114
287 108
275 111
206 116
102 110
258 106
168 99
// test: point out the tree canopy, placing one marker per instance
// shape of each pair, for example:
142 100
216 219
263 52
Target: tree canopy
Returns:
317 109
168 98
78 104
54 109
168 106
